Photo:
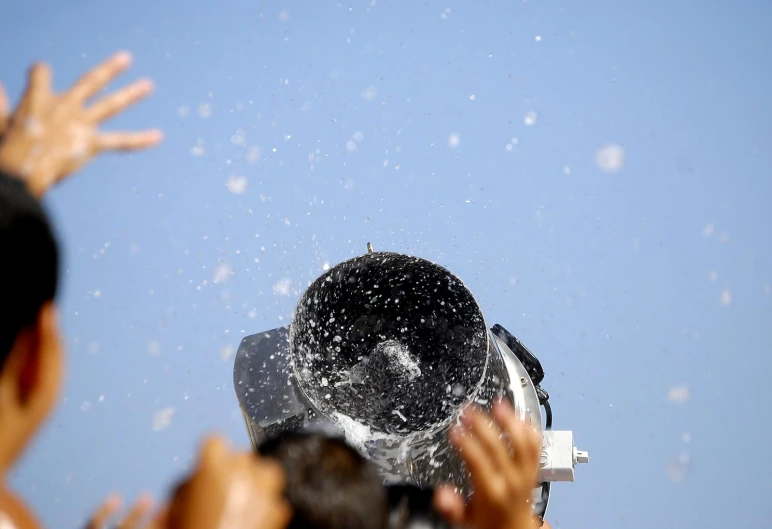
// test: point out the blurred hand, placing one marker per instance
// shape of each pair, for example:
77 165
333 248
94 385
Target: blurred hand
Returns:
137 518
48 135
230 490
502 455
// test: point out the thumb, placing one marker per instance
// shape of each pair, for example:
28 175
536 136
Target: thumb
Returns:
450 505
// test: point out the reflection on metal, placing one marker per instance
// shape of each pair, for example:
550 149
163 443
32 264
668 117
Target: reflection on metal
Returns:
388 348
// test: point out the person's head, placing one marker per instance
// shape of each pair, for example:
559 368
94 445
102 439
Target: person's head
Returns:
329 484
412 507
31 363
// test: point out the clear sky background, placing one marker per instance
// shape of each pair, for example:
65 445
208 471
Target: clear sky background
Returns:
467 133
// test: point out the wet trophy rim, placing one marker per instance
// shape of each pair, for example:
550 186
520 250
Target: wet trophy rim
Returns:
371 254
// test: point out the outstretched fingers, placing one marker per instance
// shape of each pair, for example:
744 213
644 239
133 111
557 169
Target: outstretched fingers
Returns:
128 141
105 511
524 440
138 513
119 101
97 79
490 437
488 478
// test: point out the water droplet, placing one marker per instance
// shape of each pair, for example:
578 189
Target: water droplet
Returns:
239 138
726 298
154 348
236 184
205 110
610 158
679 394
163 418
222 273
282 287
253 154
369 93
227 352
198 149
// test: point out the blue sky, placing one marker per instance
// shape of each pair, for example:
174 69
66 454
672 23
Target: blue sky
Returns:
485 136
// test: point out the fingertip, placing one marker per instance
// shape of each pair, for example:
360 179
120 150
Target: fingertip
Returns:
145 85
113 502
149 138
468 413
145 501
456 435
213 448
534 435
155 136
444 496
503 408
39 76
472 407
38 67
123 58
449 503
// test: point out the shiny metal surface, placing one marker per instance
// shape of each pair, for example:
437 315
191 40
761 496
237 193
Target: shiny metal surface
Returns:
304 375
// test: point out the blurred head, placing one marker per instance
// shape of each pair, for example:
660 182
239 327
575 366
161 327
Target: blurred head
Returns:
412 507
329 484
31 364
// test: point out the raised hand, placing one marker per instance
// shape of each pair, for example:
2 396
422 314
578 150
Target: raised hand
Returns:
137 517
48 136
502 455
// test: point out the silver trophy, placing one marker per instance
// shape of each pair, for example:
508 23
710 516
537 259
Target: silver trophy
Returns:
386 349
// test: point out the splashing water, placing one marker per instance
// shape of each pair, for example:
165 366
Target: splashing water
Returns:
283 287
610 158
391 453
393 357
679 394
163 418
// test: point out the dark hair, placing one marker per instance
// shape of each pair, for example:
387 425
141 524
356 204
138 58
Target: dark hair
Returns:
329 484
29 261
412 507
